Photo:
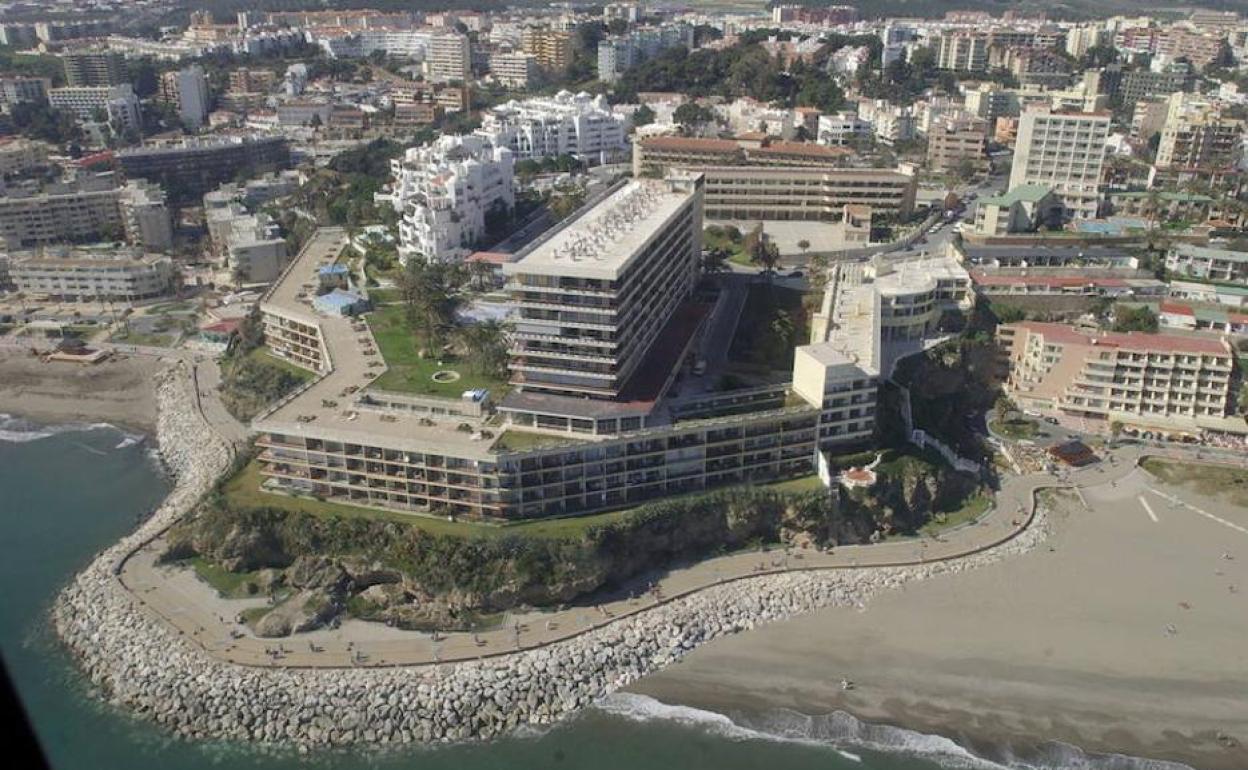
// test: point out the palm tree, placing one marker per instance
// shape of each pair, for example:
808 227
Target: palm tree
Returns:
766 255
485 346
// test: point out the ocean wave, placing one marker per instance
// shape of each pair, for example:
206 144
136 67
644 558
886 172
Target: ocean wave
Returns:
846 735
19 430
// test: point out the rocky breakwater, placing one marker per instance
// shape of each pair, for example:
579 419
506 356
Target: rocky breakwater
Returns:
143 665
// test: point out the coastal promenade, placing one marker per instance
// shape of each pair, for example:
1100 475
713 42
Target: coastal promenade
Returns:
200 616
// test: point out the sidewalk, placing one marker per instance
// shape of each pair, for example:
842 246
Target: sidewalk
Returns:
194 610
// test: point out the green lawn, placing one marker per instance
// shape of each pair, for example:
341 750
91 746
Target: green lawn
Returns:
1016 428
230 585
974 507
409 373
717 239
263 356
1223 481
513 440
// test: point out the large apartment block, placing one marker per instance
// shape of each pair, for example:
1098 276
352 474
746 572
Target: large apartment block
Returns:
1064 151
94 68
449 58
1160 381
93 276
442 192
777 181
82 210
963 51
1197 134
564 124
593 297
552 48
189 169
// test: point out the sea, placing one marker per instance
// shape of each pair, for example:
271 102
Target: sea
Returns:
68 491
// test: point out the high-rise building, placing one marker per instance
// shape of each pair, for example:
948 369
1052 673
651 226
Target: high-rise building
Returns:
193 97
450 58
963 52
1064 151
618 54
443 191
956 140
514 70
1197 134
593 297
21 90
551 47
94 68
188 169
84 209
118 105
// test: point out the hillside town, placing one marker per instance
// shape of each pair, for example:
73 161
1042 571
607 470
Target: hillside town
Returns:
520 265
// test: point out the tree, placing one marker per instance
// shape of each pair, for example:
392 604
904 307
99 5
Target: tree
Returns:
818 267
617 27
1135 319
766 255
644 116
804 245
485 347
429 298
965 169
715 261
691 114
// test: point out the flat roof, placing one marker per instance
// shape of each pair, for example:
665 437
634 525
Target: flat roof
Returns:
1044 250
602 241
1029 193
1141 341
1209 252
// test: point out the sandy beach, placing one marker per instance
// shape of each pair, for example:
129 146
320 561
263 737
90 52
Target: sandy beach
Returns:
119 391
1122 634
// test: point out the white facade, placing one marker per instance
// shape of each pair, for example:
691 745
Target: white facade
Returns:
617 54
514 70
442 192
1065 151
842 128
565 124
449 59
119 103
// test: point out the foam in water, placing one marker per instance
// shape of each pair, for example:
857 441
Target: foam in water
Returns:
841 731
17 430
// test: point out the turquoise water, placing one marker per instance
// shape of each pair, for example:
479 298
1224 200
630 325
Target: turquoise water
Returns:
66 493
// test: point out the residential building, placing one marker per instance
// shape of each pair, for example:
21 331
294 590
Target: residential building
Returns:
962 51
1149 118
618 53
1140 84
594 296
118 105
1208 263
1023 209
442 192
991 101
1030 255
957 141
565 124
842 128
19 90
552 48
450 58
779 181
89 208
82 275
193 98
250 246
1082 38
18 155
1064 151
94 68
192 167
304 112
514 70
1165 382
1197 134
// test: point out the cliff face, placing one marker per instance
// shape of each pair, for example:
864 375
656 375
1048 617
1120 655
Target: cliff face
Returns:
400 573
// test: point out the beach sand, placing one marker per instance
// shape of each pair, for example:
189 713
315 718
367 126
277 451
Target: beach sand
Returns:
1069 644
119 390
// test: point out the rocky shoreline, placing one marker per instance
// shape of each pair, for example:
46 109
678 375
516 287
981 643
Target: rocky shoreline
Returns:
143 665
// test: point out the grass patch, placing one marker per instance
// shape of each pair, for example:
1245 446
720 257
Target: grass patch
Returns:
230 585
513 440
407 372
1016 428
974 507
1219 481
716 237
252 615
263 356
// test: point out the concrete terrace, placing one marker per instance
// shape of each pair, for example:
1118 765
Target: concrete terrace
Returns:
330 402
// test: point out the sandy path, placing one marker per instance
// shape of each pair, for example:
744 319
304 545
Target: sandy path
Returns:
1068 644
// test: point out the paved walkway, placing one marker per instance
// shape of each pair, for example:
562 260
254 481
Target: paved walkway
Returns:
194 610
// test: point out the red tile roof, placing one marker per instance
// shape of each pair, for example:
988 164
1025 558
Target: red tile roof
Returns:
808 149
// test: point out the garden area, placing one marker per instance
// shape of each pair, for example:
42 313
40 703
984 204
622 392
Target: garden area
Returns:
774 321
410 372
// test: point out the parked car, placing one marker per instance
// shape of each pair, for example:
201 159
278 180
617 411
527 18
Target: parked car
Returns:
796 274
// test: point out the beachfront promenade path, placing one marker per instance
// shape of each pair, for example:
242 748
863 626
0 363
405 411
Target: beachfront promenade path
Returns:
194 609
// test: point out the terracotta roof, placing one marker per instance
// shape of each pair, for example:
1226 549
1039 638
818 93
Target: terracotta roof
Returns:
691 144
1175 308
489 257
1141 341
808 149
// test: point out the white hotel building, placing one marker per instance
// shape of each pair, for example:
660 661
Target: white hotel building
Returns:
1064 151
442 192
565 124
